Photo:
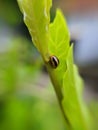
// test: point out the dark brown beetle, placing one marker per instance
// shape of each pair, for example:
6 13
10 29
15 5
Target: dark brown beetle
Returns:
54 61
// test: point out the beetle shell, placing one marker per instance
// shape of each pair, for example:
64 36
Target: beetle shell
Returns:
54 61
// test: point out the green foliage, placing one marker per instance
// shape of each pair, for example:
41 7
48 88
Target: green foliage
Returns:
58 46
54 40
69 84
72 102
37 19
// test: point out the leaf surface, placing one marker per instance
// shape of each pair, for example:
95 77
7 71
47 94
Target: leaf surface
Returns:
36 15
53 40
72 102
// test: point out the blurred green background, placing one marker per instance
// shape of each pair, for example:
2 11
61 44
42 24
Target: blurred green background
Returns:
27 97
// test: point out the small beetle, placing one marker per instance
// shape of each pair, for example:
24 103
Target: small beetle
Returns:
54 61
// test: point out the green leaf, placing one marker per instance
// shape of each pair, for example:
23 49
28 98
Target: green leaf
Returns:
59 36
53 40
58 46
72 102
37 17
66 80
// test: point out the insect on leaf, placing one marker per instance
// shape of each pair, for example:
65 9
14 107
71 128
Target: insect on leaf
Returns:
52 41
58 46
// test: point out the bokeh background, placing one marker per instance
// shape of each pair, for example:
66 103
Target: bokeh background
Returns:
27 97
